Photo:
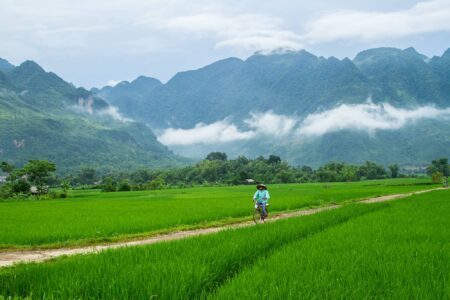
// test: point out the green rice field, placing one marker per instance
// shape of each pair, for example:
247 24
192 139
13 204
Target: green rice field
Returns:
394 250
402 252
88 217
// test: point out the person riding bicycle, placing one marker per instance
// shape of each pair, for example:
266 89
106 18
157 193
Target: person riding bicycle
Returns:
262 197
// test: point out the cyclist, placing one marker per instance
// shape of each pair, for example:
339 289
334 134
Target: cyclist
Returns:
262 197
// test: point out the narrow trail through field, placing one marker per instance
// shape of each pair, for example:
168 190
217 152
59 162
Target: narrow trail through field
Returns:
8 258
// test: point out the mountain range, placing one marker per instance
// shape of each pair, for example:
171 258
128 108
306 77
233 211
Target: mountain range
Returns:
404 93
386 105
288 82
44 117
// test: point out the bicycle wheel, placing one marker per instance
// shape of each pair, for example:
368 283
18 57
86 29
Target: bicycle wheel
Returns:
257 216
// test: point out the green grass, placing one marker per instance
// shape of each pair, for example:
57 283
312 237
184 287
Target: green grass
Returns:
397 253
183 269
90 216
394 250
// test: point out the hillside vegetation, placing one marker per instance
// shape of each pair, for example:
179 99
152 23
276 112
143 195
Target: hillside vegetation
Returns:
44 117
289 82
296 84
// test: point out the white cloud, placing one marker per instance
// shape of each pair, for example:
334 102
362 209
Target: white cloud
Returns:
86 106
112 82
114 113
268 124
218 132
272 124
257 31
248 31
367 117
424 17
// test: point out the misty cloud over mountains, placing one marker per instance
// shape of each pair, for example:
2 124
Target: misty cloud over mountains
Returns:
224 131
86 106
305 108
367 117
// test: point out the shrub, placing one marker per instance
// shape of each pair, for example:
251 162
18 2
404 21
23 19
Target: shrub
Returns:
109 185
156 184
20 186
124 186
437 177
6 191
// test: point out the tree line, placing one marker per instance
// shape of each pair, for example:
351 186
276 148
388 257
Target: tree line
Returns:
215 169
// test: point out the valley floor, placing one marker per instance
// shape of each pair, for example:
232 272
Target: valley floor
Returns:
8 258
92 217
378 249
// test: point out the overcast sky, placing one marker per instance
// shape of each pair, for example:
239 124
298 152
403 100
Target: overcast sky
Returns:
91 43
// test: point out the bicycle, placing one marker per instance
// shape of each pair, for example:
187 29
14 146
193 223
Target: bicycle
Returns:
258 216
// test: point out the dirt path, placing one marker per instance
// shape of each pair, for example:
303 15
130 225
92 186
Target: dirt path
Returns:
9 258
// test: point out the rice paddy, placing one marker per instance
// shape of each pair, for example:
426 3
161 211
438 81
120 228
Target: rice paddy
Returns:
394 250
89 217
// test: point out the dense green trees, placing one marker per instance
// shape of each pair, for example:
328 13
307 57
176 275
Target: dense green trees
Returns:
439 169
439 165
38 173
5 167
335 171
217 169
217 156
86 176
109 185
394 170
124 186
34 178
